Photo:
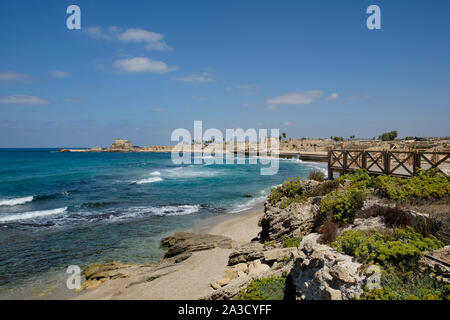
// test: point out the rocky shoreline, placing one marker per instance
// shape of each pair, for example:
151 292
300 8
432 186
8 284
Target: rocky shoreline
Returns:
287 242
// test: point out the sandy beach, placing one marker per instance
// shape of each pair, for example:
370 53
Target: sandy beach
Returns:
190 279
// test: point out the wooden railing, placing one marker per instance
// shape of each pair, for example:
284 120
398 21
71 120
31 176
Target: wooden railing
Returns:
393 163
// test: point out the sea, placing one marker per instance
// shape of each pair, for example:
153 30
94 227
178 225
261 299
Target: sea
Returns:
64 209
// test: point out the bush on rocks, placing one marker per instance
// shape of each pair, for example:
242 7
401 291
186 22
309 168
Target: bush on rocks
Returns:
402 247
342 206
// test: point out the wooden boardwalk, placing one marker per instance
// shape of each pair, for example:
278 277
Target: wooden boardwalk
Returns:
393 163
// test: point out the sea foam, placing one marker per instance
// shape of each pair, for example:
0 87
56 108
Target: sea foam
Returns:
16 201
148 180
32 214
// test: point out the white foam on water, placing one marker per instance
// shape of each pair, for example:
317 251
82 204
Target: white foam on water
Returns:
16 201
155 173
248 205
190 172
148 180
136 212
33 214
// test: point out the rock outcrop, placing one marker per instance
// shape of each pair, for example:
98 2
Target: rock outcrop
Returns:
187 242
437 264
322 273
247 252
296 220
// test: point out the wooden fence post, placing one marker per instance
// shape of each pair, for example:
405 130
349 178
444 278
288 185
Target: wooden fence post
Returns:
387 162
363 160
344 170
330 171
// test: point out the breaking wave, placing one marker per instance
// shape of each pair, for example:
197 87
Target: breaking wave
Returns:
16 201
32 214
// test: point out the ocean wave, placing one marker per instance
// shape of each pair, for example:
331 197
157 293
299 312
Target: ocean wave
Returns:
148 180
141 212
248 205
16 201
193 171
32 214
155 173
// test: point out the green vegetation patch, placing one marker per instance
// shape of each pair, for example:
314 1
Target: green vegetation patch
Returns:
293 242
396 285
316 175
425 184
402 247
342 206
272 288
289 189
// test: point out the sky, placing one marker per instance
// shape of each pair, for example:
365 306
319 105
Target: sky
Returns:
140 69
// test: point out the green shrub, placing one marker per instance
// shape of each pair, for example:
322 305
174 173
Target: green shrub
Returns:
402 247
425 184
397 285
293 242
359 178
285 202
272 288
323 188
342 206
289 189
317 175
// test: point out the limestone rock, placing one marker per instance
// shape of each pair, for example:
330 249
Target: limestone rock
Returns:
437 264
322 273
248 252
215 285
240 267
182 242
231 274
256 267
279 254
298 219
223 282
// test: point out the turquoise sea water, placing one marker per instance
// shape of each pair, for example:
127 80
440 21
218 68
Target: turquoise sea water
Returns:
61 209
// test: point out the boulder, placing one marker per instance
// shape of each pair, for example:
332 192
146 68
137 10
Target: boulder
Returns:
223 282
298 219
279 254
245 253
256 267
322 273
183 242
215 285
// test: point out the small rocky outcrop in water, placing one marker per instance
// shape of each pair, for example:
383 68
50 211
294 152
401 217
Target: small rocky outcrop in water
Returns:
322 273
187 242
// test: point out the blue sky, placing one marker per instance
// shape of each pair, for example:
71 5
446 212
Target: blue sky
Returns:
140 69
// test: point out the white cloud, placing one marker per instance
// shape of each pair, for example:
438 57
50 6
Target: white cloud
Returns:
10 76
150 39
332 96
142 64
60 74
248 105
23 99
271 107
295 97
197 78
287 123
